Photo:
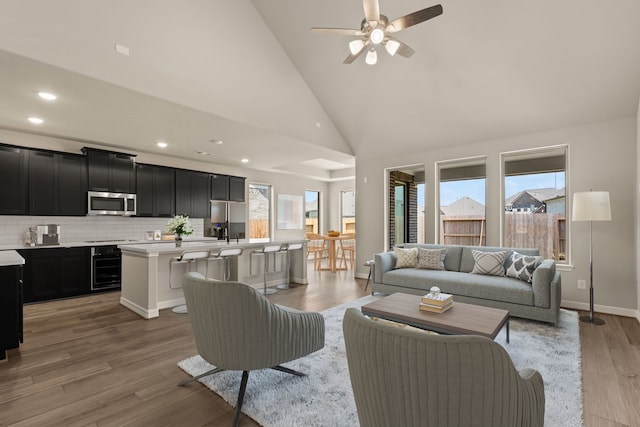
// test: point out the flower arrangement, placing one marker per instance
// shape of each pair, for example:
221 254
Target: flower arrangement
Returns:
180 225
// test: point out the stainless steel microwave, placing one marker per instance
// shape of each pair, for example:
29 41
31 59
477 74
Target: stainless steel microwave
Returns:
104 203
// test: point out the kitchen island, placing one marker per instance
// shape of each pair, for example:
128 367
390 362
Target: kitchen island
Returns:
152 280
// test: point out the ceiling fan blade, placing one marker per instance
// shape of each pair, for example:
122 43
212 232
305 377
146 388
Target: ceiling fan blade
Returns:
414 18
401 49
338 31
353 56
371 10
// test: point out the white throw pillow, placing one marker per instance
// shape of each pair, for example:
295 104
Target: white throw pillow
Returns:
489 263
520 266
406 257
431 259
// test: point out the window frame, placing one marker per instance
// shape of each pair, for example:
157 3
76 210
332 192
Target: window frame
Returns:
538 152
458 163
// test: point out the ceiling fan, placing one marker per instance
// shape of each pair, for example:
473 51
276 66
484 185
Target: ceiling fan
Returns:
376 30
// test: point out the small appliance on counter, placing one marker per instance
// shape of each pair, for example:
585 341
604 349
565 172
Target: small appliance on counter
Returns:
48 234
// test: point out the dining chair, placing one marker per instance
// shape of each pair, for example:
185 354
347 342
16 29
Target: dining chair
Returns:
348 250
316 245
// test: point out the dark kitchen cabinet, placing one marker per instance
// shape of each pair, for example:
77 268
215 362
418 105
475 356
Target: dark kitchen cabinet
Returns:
57 184
13 176
193 193
236 189
110 171
52 273
155 191
227 188
10 308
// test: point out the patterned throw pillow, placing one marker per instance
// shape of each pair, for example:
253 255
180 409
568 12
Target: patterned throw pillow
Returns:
406 257
489 263
521 266
431 259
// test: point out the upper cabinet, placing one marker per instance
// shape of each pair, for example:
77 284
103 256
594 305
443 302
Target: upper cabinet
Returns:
227 188
193 190
155 191
13 176
109 171
57 183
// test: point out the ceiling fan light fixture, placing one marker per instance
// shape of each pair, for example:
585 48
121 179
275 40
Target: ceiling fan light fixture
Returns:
392 46
377 35
372 57
355 46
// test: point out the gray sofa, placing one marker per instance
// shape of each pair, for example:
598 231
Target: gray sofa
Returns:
539 300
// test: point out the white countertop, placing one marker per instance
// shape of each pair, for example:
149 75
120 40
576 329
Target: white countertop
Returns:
92 243
170 247
8 258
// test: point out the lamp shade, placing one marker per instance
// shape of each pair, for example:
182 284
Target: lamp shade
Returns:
591 206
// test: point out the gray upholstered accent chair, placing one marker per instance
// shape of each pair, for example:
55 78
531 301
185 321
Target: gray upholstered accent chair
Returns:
237 328
404 377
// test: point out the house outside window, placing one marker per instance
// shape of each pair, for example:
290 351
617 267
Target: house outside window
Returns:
312 211
259 211
348 211
462 202
535 201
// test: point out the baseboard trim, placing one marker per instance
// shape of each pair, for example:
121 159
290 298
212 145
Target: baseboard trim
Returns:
141 311
171 303
606 309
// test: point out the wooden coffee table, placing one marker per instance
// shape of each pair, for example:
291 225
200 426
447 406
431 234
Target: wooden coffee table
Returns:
461 319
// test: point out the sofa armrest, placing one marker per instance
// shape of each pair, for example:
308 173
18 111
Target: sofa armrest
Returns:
541 283
384 261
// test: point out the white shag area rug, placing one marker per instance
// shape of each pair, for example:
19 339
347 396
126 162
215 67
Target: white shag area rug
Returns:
324 397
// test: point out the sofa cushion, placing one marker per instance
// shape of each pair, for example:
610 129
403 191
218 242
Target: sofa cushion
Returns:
505 289
489 263
431 259
406 257
466 258
451 258
520 266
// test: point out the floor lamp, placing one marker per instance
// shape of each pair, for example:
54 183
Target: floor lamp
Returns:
591 206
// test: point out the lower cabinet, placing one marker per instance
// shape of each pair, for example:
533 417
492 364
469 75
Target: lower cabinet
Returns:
56 273
10 308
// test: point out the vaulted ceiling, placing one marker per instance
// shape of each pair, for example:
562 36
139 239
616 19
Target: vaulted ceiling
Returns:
254 76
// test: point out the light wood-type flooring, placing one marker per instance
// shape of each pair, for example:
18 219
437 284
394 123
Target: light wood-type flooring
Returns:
91 362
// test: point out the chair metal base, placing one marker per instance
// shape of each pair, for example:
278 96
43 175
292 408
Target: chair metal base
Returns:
243 385
283 286
267 291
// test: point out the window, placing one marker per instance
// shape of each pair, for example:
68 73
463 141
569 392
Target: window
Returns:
348 211
534 204
259 211
312 211
462 202
405 214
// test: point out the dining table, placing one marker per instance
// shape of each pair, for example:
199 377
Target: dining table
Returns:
332 255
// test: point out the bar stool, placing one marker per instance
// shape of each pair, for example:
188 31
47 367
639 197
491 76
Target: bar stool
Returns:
190 258
286 249
224 254
265 251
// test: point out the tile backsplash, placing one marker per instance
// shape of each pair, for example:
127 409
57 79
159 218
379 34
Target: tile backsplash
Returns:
80 229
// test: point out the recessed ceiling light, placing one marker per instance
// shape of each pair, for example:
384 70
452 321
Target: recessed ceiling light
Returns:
245 160
36 120
47 95
162 144
217 141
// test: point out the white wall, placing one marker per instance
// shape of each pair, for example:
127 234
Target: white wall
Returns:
637 213
602 156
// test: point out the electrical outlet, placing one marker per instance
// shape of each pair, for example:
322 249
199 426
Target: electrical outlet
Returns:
582 284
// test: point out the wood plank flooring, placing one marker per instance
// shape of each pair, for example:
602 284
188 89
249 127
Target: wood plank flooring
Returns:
91 362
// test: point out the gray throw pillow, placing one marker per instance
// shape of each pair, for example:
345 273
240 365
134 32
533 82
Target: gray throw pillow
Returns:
431 259
489 263
521 266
